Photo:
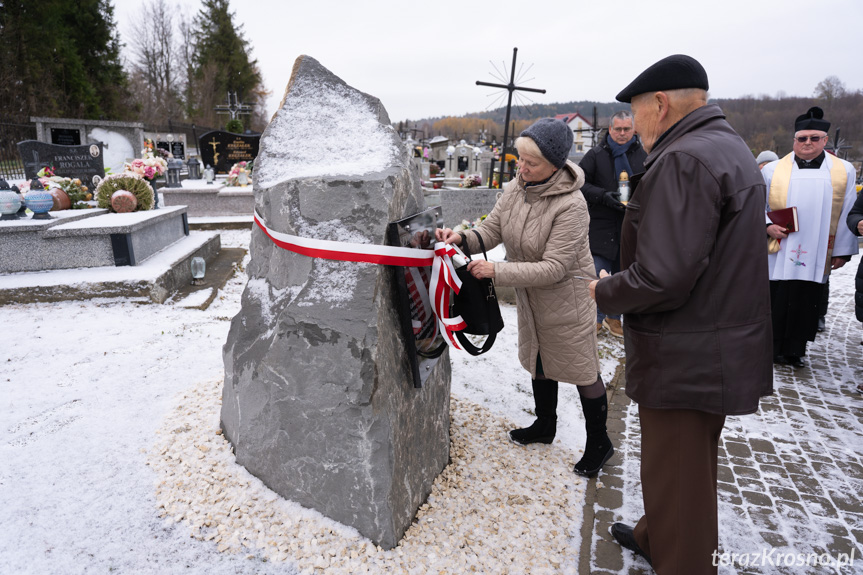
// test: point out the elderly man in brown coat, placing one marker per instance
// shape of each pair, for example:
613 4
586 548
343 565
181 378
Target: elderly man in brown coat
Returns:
693 290
542 220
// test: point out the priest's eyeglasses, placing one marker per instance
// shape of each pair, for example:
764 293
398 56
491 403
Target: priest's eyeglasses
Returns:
815 139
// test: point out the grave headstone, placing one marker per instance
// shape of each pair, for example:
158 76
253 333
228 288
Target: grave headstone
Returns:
224 149
319 399
85 162
120 140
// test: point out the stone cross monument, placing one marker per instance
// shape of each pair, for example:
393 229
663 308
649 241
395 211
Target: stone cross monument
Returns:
318 400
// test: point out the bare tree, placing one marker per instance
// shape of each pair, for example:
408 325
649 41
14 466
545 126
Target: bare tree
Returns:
156 63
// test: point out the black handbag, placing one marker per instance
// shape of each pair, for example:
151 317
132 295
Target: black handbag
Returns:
476 303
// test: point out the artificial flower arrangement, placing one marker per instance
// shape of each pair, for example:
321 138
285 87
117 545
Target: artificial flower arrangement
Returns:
129 181
470 181
151 164
240 174
467 224
77 192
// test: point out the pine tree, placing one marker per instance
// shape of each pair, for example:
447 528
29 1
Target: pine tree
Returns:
60 58
221 61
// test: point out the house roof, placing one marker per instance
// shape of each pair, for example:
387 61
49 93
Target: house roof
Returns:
571 117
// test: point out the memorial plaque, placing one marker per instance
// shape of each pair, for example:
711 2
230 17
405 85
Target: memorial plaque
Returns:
175 148
85 162
222 150
419 324
66 136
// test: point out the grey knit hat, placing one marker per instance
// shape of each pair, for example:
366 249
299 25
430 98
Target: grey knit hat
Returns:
553 138
766 156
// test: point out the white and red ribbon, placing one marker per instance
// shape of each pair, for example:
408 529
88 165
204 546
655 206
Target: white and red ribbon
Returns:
443 276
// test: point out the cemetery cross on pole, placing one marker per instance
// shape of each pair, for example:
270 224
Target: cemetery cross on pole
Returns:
511 87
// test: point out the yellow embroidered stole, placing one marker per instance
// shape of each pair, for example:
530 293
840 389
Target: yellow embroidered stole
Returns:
778 197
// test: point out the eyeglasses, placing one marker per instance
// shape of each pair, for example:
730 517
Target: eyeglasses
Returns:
815 139
623 130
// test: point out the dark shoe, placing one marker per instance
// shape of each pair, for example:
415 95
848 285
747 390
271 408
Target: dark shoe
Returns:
622 533
780 359
795 361
598 448
541 431
822 324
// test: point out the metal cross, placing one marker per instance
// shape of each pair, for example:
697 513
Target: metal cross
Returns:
511 87
233 107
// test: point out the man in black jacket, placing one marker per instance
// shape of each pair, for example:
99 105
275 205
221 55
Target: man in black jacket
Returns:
619 151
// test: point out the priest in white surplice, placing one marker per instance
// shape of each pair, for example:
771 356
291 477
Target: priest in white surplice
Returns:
821 186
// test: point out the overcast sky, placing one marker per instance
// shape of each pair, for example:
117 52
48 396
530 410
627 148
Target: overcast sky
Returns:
422 59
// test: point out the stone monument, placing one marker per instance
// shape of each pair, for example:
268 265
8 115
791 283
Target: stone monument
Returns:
318 400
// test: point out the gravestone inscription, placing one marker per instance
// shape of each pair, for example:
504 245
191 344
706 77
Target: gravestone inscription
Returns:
175 148
85 162
66 136
222 150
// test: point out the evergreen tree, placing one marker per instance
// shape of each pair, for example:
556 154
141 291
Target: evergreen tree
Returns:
60 58
221 60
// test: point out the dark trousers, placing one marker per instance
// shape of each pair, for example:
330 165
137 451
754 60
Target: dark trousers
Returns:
680 528
794 307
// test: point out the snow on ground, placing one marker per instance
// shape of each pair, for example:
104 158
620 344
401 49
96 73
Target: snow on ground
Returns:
87 389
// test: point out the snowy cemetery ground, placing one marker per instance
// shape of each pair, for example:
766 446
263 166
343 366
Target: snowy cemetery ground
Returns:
112 460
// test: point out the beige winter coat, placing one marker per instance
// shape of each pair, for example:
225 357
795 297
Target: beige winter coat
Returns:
544 230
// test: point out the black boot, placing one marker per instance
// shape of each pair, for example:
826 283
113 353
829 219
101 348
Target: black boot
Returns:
544 428
598 449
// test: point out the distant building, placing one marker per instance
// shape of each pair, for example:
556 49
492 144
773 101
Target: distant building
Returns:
582 131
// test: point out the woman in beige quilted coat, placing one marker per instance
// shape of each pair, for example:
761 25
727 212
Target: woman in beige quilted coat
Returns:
542 220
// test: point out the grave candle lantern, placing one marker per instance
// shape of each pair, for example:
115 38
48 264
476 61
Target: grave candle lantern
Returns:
39 201
9 202
199 268
209 174
173 175
194 168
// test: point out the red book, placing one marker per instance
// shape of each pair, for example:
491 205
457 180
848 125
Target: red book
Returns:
785 218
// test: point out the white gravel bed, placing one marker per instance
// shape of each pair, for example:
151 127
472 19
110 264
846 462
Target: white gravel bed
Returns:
496 508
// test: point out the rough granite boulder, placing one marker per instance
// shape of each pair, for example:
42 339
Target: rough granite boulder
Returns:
318 400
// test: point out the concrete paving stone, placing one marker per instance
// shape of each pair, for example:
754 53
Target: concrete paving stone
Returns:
755 498
738 449
858 535
776 469
796 408
608 555
843 545
751 484
773 539
817 505
764 518
807 484
615 424
606 517
787 392
727 488
612 481
748 472
835 528
724 474
768 458
784 494
791 511
609 498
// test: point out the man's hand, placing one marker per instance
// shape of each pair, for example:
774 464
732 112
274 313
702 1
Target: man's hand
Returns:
777 232
592 285
860 227
836 263
611 199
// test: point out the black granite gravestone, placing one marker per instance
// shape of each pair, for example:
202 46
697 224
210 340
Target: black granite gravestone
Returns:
221 150
176 149
85 162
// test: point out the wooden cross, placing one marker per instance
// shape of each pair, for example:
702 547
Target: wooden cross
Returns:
511 87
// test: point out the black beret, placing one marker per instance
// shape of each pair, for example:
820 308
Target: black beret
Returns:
671 73
812 120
